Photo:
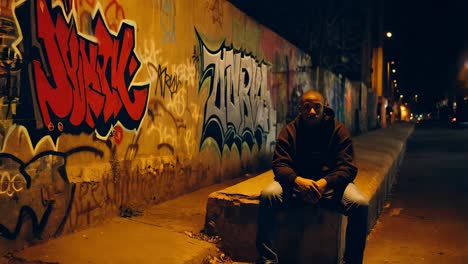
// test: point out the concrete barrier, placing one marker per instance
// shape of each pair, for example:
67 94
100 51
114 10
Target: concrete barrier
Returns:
311 234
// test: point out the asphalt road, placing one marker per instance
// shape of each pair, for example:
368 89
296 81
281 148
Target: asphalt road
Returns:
426 219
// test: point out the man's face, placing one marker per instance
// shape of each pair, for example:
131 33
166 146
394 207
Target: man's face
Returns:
311 108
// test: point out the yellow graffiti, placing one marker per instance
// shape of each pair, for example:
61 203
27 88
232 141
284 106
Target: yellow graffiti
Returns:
11 185
177 105
190 144
195 110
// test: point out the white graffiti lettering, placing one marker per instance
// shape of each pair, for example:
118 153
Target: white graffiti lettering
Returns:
239 107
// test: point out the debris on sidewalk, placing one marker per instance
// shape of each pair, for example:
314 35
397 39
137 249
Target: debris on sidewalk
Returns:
395 211
220 259
129 211
203 236
9 258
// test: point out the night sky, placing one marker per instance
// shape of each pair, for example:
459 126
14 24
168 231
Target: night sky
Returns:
430 37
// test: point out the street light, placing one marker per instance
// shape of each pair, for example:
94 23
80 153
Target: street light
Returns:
389 34
394 70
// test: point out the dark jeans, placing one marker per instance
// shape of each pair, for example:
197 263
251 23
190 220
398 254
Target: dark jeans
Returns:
353 204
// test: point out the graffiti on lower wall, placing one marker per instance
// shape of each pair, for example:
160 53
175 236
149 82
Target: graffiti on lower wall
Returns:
57 80
44 177
78 84
239 108
74 68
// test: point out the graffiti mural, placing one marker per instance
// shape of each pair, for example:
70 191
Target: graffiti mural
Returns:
164 80
114 13
167 20
44 177
216 9
334 94
164 76
97 114
77 83
238 109
10 63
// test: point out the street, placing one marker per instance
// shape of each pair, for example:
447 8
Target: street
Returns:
426 219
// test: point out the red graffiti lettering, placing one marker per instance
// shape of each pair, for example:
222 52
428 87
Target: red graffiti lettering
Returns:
85 82
118 135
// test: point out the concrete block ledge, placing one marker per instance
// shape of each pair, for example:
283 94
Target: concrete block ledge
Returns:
231 213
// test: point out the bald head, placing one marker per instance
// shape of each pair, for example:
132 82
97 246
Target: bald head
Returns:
312 95
311 108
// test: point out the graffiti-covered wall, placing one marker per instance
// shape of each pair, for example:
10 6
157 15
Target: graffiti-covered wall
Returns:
108 104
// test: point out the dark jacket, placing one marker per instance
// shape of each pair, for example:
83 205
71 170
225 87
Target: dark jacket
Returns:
326 151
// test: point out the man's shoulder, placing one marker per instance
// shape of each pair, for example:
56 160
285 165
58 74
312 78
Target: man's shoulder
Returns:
292 125
339 124
341 129
288 131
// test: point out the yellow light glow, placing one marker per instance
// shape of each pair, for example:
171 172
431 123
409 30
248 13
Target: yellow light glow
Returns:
393 70
389 34
404 113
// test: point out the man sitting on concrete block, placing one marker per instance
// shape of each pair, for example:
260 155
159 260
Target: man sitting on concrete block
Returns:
313 164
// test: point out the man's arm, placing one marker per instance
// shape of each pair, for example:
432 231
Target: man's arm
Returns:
345 169
283 158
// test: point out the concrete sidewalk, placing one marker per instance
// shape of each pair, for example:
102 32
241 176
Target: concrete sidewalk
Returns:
167 233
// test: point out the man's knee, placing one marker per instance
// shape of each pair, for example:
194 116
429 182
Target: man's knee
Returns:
355 202
272 194
361 201
353 196
360 206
